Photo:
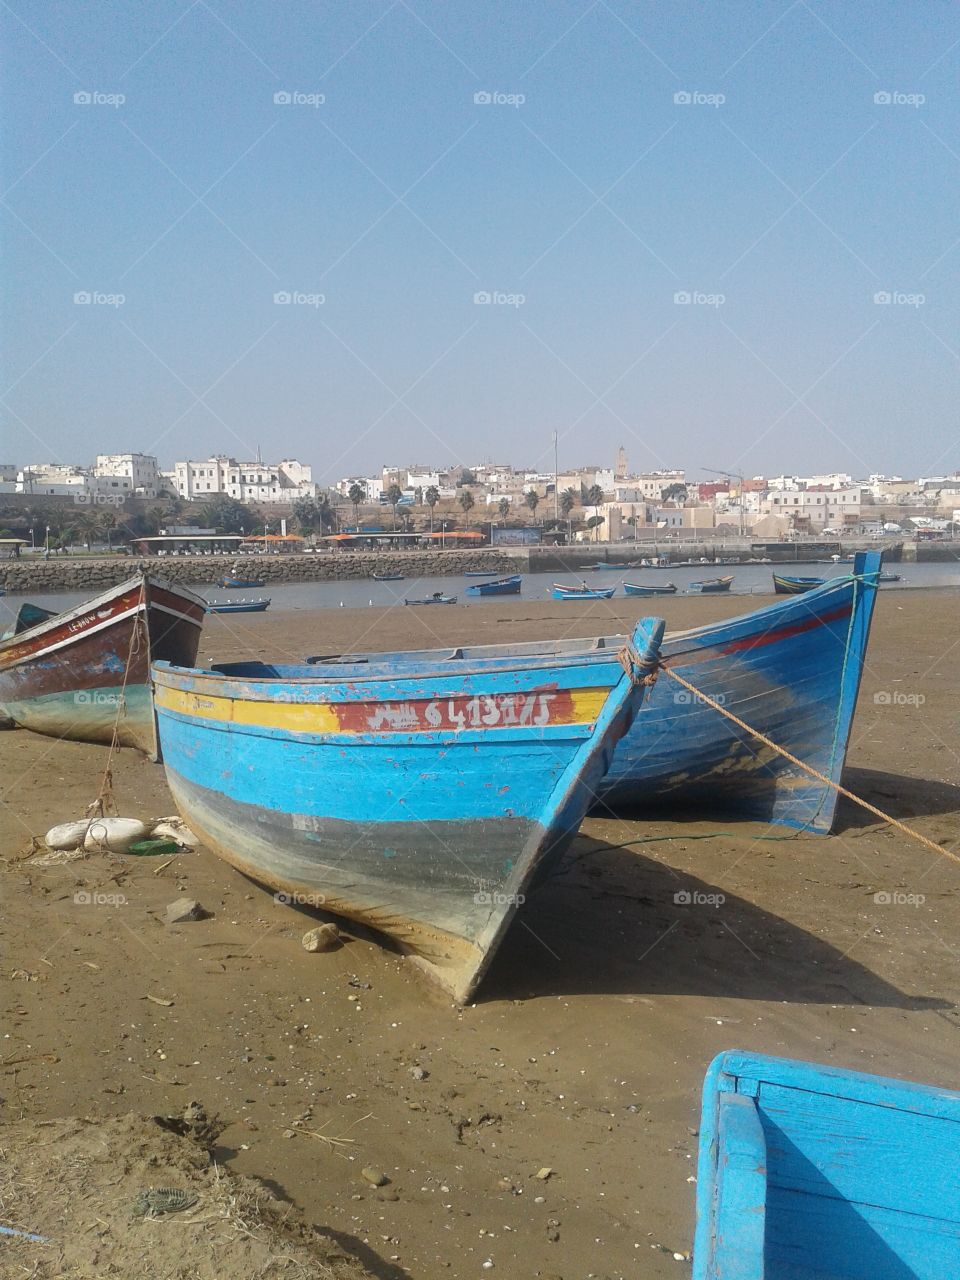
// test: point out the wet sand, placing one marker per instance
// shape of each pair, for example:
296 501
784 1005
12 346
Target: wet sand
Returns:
586 1048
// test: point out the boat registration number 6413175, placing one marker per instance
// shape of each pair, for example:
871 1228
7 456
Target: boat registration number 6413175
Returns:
482 711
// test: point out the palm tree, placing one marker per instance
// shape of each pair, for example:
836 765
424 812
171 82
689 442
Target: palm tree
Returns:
466 500
532 499
568 500
86 526
503 506
431 498
108 522
594 498
357 494
394 494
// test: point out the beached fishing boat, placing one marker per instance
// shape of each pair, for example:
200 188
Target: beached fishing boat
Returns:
388 577
785 586
561 592
418 802
501 587
711 586
238 606
437 598
239 582
79 673
791 670
637 589
810 1172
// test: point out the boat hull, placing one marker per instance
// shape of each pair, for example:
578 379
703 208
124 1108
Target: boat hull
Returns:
635 589
795 586
503 587
418 806
594 593
80 673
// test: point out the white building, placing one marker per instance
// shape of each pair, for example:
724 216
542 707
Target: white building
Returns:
137 474
246 481
816 509
52 479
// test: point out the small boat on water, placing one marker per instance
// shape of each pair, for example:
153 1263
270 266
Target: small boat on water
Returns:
501 587
637 589
811 1172
417 800
655 562
711 586
784 586
238 606
561 592
791 670
888 577
437 598
239 582
388 577
605 564
80 673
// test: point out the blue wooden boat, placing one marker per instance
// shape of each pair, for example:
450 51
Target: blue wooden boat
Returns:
561 592
637 589
808 1172
437 598
791 670
418 801
711 586
787 586
501 587
388 577
239 582
238 606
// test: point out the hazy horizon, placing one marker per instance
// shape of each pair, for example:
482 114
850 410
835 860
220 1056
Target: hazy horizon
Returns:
722 236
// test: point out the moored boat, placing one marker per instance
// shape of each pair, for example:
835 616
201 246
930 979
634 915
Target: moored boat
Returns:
811 1172
238 606
417 801
711 586
791 670
231 583
388 577
81 673
637 589
888 577
560 592
501 587
787 586
437 598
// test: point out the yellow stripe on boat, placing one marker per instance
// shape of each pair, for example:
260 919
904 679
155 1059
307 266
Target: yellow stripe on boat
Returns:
546 707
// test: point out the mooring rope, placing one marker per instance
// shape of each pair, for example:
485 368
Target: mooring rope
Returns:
814 773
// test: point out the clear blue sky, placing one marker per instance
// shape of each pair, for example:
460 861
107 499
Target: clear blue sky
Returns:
598 198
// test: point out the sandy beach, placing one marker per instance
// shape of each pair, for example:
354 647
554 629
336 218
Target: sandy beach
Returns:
585 1050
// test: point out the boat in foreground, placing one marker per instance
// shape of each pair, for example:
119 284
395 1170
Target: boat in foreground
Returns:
238 606
787 586
560 592
80 673
501 587
232 583
791 670
637 589
810 1172
711 586
418 801
437 598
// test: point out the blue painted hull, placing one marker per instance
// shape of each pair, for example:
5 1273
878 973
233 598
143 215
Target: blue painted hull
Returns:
417 802
240 606
503 587
593 593
636 589
791 670
809 1172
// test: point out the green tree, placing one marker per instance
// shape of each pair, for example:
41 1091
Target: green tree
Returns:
532 499
467 477
674 493
503 506
466 500
594 498
227 515
357 494
568 500
431 498
107 522
394 494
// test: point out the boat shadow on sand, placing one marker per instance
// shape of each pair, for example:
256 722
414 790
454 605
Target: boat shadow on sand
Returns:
611 920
